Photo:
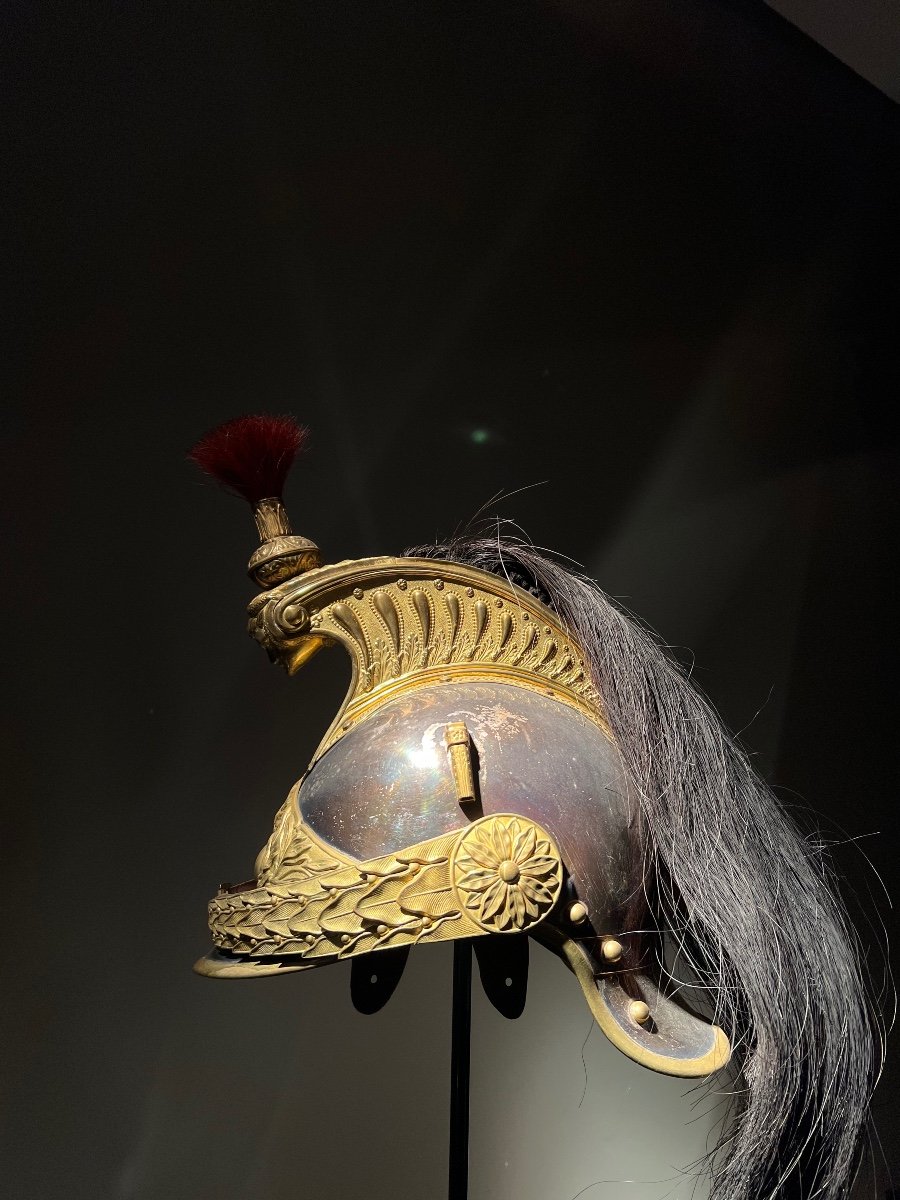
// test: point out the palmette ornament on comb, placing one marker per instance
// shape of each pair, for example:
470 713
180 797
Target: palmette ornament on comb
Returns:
515 756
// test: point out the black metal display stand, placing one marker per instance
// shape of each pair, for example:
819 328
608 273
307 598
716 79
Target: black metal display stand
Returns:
460 1045
503 968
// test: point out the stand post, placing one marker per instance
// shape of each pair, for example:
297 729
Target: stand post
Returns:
459 1070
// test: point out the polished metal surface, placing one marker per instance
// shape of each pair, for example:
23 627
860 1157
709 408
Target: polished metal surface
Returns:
388 783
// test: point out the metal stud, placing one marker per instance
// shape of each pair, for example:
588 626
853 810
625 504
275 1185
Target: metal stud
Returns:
639 1012
612 950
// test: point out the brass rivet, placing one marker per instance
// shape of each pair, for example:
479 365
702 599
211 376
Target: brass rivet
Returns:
638 1011
612 950
577 913
509 871
381 930
345 938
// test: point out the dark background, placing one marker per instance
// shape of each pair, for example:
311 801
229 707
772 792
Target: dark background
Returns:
645 252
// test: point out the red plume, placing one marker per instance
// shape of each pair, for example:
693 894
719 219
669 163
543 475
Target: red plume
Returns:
251 456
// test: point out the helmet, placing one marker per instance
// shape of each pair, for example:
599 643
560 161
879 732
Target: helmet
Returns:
468 786
515 756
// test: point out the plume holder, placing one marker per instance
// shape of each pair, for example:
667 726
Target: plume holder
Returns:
283 554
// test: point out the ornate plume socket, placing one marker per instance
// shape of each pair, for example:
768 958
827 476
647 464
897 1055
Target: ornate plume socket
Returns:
405 624
251 457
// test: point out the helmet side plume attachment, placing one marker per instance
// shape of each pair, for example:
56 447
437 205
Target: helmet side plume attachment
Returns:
251 457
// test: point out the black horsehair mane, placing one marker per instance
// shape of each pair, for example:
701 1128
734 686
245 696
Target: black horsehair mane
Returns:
768 951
